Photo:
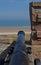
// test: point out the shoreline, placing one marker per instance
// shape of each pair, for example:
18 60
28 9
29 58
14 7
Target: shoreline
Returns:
14 29
12 33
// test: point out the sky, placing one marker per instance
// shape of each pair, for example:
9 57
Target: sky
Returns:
15 12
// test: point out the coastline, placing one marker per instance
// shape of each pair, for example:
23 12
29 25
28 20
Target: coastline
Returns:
26 29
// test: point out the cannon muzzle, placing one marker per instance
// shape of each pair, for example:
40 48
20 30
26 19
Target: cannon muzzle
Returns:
19 56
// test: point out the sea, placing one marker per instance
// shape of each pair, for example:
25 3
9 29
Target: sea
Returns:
14 23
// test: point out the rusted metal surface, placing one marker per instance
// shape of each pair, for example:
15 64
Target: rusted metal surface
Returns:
35 17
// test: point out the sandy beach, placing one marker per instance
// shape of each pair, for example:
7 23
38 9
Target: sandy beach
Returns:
14 29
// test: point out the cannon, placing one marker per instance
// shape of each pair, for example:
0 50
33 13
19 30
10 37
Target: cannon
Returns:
19 56
37 62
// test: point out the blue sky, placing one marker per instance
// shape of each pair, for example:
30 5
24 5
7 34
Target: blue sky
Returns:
14 10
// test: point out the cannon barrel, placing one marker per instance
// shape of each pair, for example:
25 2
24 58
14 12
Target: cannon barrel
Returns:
19 56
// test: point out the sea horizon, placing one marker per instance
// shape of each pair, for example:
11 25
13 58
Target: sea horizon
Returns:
14 23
